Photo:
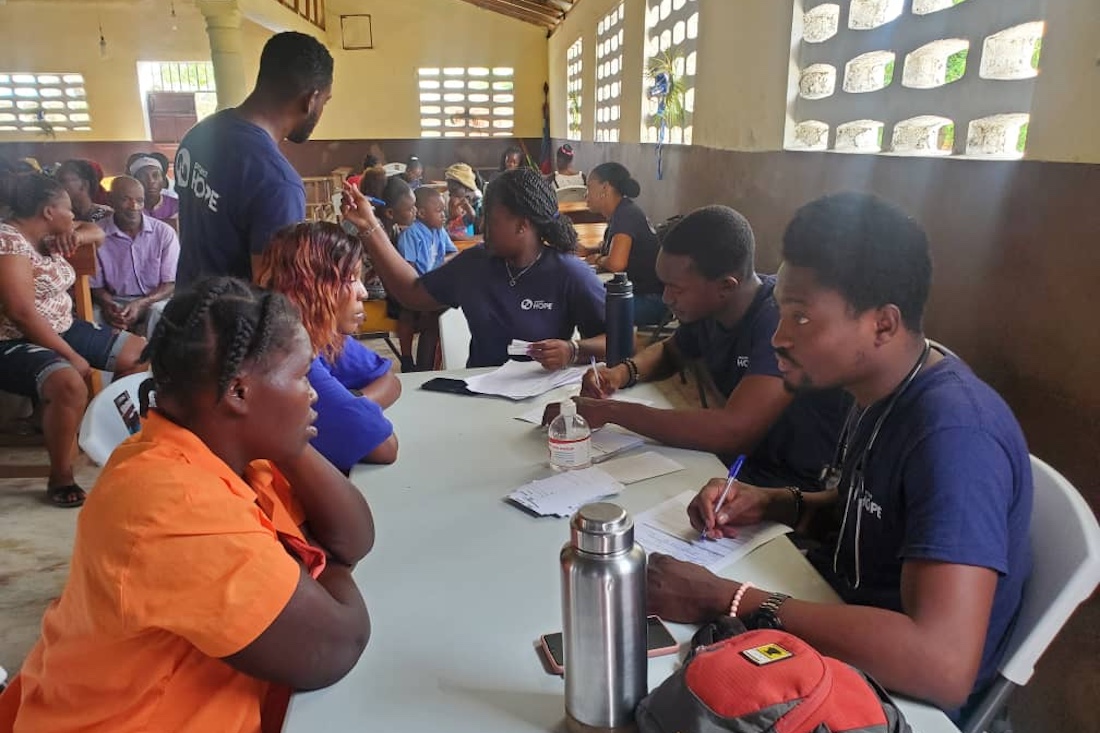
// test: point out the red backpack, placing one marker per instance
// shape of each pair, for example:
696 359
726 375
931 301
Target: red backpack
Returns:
767 680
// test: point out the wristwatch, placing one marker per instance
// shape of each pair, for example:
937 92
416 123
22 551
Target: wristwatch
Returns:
767 616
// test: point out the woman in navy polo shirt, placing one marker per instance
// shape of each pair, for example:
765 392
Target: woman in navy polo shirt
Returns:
524 283
629 242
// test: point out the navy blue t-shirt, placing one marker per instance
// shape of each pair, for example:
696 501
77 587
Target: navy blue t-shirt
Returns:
236 189
558 295
641 265
948 480
802 441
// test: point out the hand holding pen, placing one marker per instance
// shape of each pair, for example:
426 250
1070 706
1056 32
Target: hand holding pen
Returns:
702 516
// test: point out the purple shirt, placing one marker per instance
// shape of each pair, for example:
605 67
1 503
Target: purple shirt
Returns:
133 267
167 210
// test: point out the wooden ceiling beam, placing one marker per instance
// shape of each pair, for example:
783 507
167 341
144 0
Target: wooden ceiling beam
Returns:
544 17
534 6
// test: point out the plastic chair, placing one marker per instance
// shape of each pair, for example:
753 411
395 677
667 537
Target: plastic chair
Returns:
394 169
572 194
1065 546
103 426
454 338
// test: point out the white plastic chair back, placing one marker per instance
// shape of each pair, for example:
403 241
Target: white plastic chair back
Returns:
103 427
1065 546
454 338
571 194
393 169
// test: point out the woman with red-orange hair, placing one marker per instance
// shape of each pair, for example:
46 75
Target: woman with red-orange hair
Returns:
319 267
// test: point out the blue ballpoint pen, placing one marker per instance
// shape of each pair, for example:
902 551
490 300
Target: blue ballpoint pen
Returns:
735 468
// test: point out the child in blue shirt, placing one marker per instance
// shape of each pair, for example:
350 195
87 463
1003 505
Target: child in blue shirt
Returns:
425 245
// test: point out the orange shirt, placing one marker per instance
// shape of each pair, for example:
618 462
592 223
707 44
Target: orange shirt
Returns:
177 562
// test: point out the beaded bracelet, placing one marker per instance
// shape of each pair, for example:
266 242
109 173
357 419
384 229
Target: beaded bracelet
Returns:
797 494
736 602
632 368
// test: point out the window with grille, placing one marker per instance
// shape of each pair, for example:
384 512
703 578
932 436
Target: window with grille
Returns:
671 43
573 87
926 77
46 103
176 76
457 101
609 74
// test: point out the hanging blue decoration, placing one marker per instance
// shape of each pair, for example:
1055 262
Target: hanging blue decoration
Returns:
662 85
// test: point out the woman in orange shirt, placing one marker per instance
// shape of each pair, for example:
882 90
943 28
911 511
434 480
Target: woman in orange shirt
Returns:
211 571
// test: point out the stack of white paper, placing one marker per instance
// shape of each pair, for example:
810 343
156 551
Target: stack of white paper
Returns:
666 529
563 494
518 380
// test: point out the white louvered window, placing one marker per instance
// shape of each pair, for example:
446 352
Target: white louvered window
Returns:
671 42
476 101
46 103
609 74
574 67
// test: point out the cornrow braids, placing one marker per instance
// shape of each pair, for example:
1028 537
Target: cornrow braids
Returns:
209 332
525 193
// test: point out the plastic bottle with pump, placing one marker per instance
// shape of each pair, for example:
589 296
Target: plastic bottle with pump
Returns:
570 439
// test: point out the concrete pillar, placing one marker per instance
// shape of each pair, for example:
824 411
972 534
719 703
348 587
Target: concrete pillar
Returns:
223 27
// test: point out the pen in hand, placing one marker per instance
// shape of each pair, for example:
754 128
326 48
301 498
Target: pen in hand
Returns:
735 468
596 372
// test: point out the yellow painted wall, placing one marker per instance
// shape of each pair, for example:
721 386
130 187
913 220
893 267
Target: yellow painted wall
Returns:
1065 112
581 23
374 94
64 37
744 66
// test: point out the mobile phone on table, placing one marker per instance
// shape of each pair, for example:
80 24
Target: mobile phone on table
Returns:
659 642
450 386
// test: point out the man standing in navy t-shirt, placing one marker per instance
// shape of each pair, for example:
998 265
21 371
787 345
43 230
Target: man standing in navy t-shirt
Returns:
924 524
727 316
235 186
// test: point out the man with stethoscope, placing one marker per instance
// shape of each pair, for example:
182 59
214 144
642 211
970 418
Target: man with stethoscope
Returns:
922 526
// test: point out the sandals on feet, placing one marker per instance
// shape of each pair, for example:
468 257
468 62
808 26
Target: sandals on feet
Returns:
66 497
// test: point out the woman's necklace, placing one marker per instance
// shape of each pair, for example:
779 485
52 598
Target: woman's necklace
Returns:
513 279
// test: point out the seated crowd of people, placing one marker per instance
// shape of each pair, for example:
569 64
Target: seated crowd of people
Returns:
260 402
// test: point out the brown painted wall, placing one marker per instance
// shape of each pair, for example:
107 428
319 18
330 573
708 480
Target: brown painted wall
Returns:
313 158
1016 247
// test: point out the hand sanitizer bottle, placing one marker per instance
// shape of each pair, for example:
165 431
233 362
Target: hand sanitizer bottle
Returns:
570 439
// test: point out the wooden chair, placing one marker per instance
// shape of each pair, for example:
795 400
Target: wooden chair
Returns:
377 325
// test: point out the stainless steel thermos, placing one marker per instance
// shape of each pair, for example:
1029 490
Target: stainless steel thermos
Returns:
603 575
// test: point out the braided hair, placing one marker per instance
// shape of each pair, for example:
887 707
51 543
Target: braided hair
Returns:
209 332
525 193
24 195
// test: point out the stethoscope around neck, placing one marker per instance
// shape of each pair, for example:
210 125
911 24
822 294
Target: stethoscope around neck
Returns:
856 492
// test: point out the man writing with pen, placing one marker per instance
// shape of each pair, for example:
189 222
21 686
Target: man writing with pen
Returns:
922 525
727 315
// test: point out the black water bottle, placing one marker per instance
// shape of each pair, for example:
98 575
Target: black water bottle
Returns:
620 319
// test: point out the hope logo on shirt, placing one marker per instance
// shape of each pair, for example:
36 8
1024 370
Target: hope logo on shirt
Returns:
870 506
536 305
742 362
